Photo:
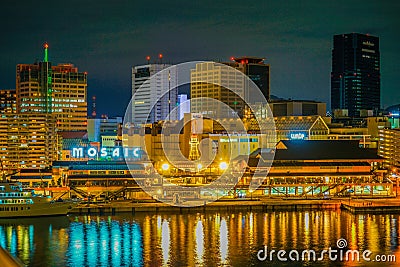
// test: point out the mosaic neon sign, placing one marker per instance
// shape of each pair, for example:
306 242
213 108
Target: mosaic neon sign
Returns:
103 152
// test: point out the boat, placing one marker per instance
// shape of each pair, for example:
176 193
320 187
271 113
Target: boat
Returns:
16 201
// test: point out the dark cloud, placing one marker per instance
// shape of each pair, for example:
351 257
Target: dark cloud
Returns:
106 38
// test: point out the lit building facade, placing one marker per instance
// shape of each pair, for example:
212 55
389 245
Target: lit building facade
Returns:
61 90
148 103
8 101
28 141
219 82
96 127
355 77
214 139
111 179
389 147
183 105
319 168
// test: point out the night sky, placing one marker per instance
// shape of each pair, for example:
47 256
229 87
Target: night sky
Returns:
106 39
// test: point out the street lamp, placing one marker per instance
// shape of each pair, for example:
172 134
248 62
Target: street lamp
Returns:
199 166
251 194
394 175
223 166
165 167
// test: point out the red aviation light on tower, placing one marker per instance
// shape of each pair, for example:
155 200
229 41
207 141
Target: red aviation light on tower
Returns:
160 56
46 45
148 59
232 58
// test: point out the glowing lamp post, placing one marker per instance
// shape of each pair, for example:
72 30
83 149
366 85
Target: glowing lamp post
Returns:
165 167
223 166
251 194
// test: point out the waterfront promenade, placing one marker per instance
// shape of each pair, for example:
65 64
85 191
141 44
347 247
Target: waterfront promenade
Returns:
232 205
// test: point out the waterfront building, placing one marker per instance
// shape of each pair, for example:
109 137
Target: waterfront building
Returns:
389 148
214 139
319 168
35 178
355 76
72 140
111 179
292 128
27 140
339 132
8 101
149 105
301 168
61 90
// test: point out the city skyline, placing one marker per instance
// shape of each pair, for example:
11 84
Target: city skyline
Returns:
295 39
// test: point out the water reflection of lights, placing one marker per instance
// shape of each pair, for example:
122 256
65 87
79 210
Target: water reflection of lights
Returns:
115 244
223 241
199 235
105 243
92 244
165 241
251 228
307 229
76 252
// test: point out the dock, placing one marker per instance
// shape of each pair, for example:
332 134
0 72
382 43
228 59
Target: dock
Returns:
379 205
218 206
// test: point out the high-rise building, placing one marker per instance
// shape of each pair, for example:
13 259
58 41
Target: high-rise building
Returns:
96 127
60 90
27 140
8 101
355 77
389 148
256 70
210 80
149 104
183 105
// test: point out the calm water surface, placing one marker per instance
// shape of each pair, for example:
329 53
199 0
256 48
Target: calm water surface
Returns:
207 239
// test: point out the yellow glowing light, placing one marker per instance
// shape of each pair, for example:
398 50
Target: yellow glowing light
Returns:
223 166
165 166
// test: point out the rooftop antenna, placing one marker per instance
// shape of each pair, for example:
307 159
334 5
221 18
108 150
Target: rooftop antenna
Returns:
148 59
94 107
169 94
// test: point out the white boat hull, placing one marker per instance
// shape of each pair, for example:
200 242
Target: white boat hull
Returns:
36 209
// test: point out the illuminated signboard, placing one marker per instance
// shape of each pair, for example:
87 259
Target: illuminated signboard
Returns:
103 152
297 136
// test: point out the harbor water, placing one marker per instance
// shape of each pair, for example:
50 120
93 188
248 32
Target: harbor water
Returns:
199 239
